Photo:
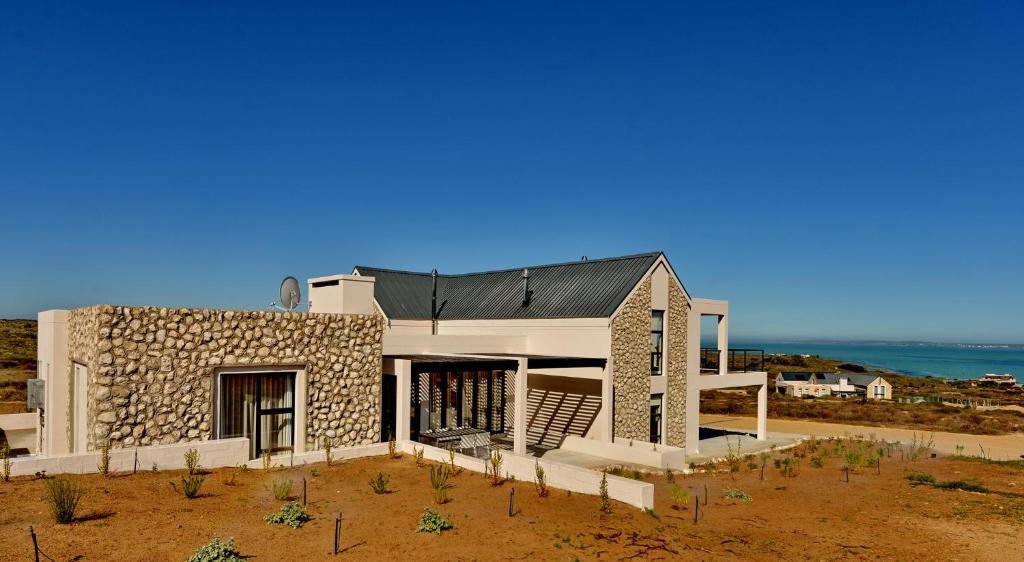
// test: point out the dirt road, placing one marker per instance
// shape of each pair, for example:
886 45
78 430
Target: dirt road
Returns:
999 447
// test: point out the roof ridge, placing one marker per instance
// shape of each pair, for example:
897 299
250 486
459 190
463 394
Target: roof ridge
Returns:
506 270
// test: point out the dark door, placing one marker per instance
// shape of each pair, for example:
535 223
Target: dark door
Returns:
388 391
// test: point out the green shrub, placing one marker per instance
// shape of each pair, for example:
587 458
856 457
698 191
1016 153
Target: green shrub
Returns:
291 514
541 480
192 460
328 446
921 478
282 488
217 551
496 460
670 476
433 522
379 484
962 485
736 494
439 483
680 497
788 466
418 455
5 455
190 486
606 505
104 466
63 497
817 461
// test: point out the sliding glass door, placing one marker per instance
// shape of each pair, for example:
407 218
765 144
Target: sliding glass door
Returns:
260 406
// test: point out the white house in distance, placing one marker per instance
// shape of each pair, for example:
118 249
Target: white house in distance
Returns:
841 384
589 356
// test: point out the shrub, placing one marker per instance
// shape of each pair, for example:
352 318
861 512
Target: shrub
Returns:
433 522
736 494
282 488
788 466
451 459
104 466
267 462
63 497
918 446
606 505
439 483
541 480
921 478
379 484
328 445
680 497
962 485
5 455
650 511
496 460
217 551
393 447
190 486
192 460
670 476
817 461
733 457
291 514
418 455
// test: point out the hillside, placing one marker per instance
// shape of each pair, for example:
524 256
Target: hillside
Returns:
17 362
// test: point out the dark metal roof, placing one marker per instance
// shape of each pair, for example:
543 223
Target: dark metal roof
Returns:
583 289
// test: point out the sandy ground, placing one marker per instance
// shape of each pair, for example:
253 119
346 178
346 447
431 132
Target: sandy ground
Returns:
999 447
813 515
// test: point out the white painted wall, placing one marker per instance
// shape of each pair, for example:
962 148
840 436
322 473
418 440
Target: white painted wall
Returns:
640 452
52 367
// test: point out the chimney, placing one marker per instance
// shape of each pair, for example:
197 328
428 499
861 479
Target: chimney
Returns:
341 294
526 287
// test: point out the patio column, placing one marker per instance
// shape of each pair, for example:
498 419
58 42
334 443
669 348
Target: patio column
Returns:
607 402
692 398
762 412
723 345
519 431
403 398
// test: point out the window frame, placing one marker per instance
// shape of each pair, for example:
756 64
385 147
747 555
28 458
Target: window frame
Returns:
657 357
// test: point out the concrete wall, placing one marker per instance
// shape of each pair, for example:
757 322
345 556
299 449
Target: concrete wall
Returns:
19 432
212 454
152 370
631 364
624 451
51 361
558 406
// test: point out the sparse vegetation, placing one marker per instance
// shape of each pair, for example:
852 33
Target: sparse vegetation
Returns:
5 457
439 483
919 478
680 497
328 448
393 448
433 522
540 481
281 488
63 496
192 460
418 455
787 466
736 494
379 483
496 460
190 485
104 467
962 485
606 504
268 463
217 551
291 514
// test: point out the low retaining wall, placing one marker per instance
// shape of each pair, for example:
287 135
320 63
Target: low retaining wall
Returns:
20 431
212 454
639 452
559 475
337 454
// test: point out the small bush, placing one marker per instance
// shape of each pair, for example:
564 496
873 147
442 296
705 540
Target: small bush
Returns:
190 486
439 483
267 462
418 455
496 460
104 466
962 485
788 466
733 457
670 476
921 478
192 460
680 497
393 448
541 480
817 461
217 551
606 505
5 455
379 484
451 459
432 522
291 514
282 488
650 511
736 494
328 446
63 497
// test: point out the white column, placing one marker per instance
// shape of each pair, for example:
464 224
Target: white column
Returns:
607 403
762 412
403 398
692 399
723 344
519 431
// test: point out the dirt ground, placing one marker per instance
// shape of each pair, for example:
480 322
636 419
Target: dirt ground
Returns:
812 515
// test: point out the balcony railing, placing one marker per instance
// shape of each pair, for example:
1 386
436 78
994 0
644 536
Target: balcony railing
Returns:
740 360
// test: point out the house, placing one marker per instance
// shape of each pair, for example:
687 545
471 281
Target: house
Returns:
992 378
840 384
588 356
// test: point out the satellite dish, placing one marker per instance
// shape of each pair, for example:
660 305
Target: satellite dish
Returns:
291 293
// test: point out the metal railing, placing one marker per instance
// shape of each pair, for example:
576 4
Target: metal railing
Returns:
740 360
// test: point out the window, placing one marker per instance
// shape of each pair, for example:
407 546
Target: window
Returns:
657 340
879 391
656 401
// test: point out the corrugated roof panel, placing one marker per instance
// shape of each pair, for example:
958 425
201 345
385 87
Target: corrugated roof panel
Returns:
584 289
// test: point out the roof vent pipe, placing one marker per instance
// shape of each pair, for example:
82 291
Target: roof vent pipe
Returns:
584 258
433 302
526 287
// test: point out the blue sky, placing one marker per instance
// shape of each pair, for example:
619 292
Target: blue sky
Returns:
842 170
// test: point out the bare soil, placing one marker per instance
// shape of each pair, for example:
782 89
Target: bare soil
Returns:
814 515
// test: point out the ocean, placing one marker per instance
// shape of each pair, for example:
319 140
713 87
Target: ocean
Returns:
960 361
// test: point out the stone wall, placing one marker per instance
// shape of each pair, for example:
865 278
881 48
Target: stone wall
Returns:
631 365
675 383
83 347
151 370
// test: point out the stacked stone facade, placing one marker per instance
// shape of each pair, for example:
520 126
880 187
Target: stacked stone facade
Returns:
151 370
675 384
631 365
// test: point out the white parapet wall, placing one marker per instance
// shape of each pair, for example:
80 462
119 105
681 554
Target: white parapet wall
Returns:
337 454
559 475
21 431
628 452
212 454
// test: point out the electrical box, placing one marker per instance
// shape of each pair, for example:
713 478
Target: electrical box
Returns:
36 393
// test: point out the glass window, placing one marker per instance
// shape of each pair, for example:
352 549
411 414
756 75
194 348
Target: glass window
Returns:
657 340
656 402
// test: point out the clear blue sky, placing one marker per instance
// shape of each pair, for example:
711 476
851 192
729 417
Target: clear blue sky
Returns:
834 169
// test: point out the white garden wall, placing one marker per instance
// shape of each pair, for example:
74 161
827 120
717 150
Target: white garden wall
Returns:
212 454
623 451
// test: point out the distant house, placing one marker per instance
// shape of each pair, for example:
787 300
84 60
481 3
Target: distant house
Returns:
843 385
992 378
